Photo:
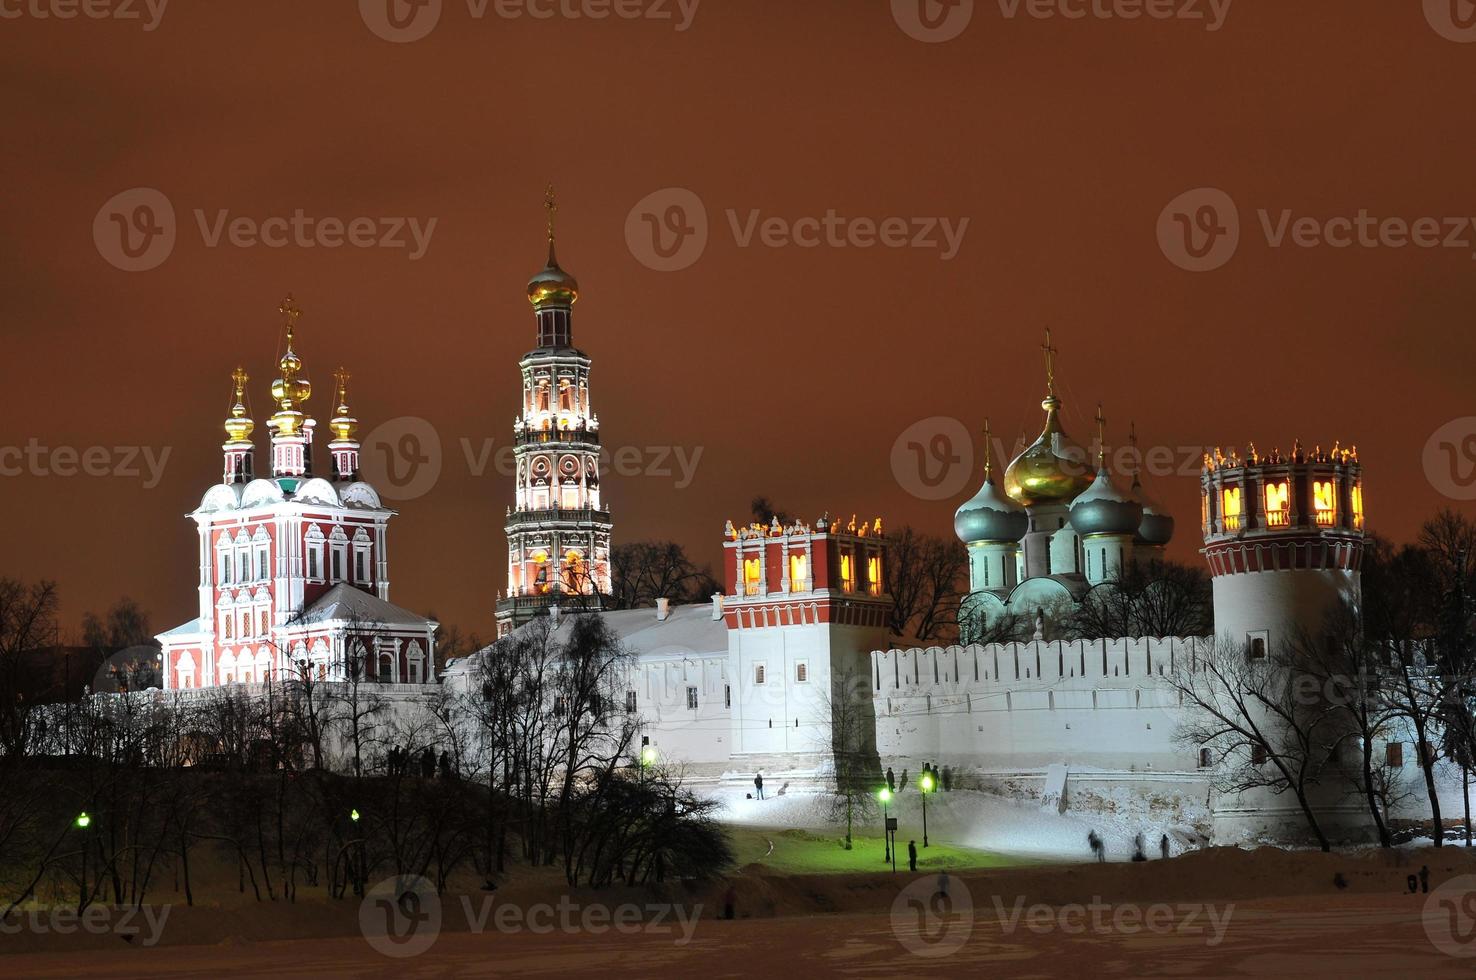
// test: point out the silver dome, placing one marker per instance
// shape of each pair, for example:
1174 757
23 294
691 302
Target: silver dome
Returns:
990 516
1103 509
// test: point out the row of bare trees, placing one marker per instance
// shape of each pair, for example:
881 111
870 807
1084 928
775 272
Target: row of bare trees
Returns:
305 780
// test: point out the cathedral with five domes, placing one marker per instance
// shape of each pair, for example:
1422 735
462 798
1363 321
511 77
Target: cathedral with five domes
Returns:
1054 529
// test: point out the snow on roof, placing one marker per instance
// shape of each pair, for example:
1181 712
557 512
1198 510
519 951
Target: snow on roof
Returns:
344 603
687 630
192 628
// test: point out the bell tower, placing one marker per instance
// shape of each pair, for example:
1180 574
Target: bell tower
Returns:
558 530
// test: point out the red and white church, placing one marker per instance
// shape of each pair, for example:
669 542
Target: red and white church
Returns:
294 571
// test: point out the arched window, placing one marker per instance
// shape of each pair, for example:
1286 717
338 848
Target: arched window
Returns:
799 573
1325 501
1231 511
753 575
1278 504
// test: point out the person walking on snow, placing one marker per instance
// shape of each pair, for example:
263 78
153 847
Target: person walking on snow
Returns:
758 784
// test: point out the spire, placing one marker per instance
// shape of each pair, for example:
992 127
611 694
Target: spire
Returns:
1137 461
239 426
988 453
289 391
553 292
238 447
345 445
551 205
292 431
1050 364
1101 438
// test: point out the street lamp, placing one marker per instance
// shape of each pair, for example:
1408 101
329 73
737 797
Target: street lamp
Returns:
648 755
83 821
354 815
927 784
885 795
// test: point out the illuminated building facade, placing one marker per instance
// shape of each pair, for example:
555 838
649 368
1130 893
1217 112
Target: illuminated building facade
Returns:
558 529
294 572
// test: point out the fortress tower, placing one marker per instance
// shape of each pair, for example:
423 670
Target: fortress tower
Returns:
803 608
1284 540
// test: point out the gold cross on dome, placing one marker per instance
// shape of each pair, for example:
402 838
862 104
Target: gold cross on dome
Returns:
290 312
552 205
1050 359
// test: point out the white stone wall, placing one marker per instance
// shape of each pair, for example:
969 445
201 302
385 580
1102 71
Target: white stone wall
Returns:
1023 706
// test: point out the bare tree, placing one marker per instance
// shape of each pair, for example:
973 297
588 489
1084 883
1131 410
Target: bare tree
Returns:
1261 734
925 579
27 626
644 571
1155 598
851 743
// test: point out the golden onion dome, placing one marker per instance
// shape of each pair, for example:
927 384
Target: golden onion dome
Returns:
553 286
239 427
1052 469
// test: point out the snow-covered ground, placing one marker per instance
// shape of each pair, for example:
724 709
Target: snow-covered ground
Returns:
971 819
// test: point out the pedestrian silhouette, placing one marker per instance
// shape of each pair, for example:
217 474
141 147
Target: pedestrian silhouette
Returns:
902 782
758 784
1163 846
912 855
891 780
1424 878
1095 843
1138 854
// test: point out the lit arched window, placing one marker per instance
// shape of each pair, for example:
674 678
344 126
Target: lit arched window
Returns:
1357 505
1325 501
753 574
874 575
1231 510
1278 504
799 573
848 573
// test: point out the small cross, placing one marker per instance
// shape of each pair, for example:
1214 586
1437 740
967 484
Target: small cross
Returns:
988 448
240 378
1101 434
553 209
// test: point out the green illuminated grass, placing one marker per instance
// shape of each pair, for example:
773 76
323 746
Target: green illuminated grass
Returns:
812 852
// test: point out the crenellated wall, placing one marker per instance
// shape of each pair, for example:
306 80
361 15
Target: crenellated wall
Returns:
1100 704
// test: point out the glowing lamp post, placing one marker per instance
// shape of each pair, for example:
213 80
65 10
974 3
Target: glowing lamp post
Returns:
354 815
648 756
927 784
885 795
83 821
